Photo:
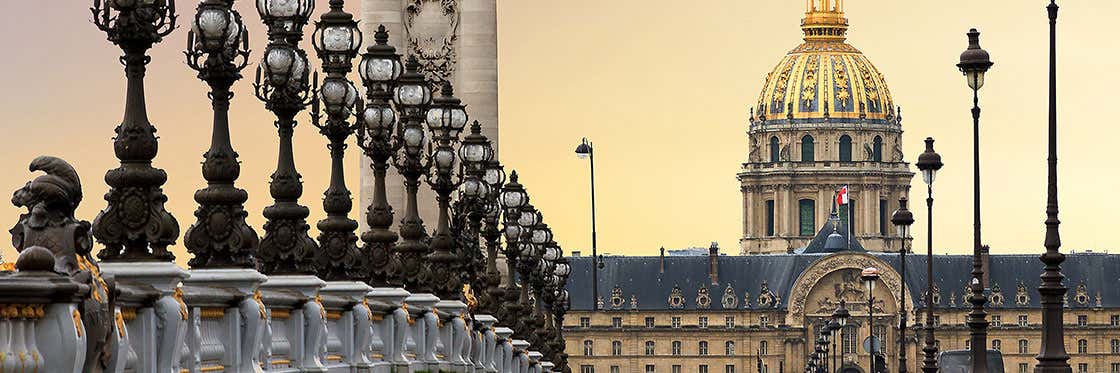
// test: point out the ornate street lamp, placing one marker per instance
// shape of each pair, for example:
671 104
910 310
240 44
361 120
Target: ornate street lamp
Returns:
902 219
494 177
135 219
929 162
870 276
412 94
379 69
833 332
218 48
974 63
585 150
1052 357
476 202
446 119
282 83
336 41
513 199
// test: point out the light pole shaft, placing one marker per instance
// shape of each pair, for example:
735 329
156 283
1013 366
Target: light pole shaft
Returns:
594 243
978 324
902 312
930 363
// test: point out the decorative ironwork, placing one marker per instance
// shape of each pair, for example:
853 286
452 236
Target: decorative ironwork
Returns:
218 48
135 225
412 96
282 83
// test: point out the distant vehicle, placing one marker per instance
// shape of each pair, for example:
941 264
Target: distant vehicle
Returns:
960 361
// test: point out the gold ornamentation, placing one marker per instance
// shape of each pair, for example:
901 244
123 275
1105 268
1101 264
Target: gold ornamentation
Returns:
77 322
729 301
334 315
1082 294
322 310
805 283
282 314
377 317
128 313
809 82
7 267
468 294
260 304
676 298
120 324
616 297
703 300
212 313
182 305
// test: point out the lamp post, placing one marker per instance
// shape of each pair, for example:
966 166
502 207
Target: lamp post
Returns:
840 316
513 199
336 41
474 204
974 63
929 162
1052 357
379 69
282 83
446 119
902 219
495 177
412 95
219 50
585 150
135 218
870 276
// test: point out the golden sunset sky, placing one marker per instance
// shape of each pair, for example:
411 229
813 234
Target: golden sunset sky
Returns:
661 87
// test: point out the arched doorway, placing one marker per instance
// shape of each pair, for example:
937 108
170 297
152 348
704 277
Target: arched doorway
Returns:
849 368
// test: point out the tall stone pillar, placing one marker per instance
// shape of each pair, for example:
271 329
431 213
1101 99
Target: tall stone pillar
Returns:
455 40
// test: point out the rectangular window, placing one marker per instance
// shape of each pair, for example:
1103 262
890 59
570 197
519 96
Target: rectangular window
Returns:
765 368
616 348
675 321
807 212
1115 368
1083 368
703 321
586 369
884 217
1023 321
616 322
1024 367
997 345
584 322
650 368
615 369
1082 320
729 321
649 322
1024 346
703 368
1114 320
997 321
729 369
936 320
676 369
764 320
770 218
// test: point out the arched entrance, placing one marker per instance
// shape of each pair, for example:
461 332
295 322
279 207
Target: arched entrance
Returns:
849 368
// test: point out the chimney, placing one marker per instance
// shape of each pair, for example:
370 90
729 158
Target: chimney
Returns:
663 259
713 263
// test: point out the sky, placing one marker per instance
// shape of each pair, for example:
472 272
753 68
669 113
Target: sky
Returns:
661 87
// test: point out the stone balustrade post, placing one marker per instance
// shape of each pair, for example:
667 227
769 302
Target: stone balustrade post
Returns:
424 331
228 319
344 301
486 343
547 367
297 322
453 334
40 324
504 349
520 356
534 361
390 328
159 325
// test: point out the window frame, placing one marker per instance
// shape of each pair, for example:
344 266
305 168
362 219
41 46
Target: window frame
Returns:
588 347
702 348
616 348
807 221
651 348
808 149
844 148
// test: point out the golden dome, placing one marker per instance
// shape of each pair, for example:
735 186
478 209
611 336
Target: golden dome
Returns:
825 77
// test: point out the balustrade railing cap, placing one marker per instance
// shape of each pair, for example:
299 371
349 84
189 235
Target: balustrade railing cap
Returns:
35 282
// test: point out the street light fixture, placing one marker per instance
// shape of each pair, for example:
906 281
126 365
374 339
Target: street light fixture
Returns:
902 220
974 64
870 276
929 163
446 118
585 150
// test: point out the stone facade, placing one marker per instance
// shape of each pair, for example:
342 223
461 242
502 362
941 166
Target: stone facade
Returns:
455 40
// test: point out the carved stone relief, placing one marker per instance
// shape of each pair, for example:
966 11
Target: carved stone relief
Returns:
432 30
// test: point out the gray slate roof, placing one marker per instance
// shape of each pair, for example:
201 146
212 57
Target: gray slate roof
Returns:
640 276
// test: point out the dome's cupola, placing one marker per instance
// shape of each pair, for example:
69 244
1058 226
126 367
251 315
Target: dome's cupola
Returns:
824 21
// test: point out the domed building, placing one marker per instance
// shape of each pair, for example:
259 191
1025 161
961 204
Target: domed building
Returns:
825 119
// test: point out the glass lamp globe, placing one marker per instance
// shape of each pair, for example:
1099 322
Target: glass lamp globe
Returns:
413 94
513 233
870 276
528 218
379 119
211 24
494 175
563 269
552 253
340 38
282 64
413 140
444 158
285 9
474 152
514 199
380 68
541 235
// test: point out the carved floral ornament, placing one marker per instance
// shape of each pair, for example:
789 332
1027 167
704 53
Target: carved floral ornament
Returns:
842 261
1022 298
996 297
1081 295
432 30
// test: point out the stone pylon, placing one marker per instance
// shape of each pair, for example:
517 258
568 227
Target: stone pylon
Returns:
455 40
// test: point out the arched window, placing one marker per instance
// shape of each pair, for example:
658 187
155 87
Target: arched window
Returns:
845 148
807 149
774 150
762 348
877 149
588 348
703 348
676 348
616 348
729 348
649 347
807 212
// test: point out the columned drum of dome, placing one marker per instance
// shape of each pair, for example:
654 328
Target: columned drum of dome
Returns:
828 92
